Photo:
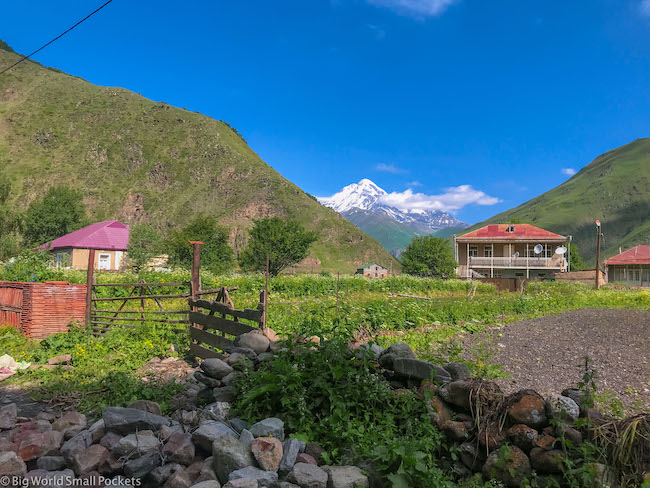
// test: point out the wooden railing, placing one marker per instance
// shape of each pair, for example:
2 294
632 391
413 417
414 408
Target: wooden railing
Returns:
518 262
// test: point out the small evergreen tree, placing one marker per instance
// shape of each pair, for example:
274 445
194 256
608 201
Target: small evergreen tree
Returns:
59 212
145 242
285 241
429 256
216 254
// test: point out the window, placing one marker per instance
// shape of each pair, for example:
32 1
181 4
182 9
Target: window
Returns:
473 251
511 228
104 261
487 251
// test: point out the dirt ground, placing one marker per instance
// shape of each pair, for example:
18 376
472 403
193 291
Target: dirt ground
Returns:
547 354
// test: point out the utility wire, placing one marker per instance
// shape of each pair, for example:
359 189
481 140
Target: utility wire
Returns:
57 37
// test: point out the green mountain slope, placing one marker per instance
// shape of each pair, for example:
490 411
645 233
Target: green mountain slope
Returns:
390 233
614 188
142 161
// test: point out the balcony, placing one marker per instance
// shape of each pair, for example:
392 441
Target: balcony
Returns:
511 262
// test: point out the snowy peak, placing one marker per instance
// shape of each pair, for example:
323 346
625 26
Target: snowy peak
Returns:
363 195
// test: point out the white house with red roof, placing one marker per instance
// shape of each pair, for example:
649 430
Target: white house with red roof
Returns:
631 267
109 240
511 251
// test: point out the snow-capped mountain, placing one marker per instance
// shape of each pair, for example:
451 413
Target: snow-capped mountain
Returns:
367 196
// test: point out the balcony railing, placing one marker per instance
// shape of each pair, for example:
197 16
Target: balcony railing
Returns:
519 262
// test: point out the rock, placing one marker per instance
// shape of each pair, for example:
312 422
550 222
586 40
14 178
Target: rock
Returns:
162 473
561 407
284 484
605 477
308 476
207 472
372 351
254 341
242 483
528 410
208 484
427 389
246 437
179 449
439 412
346 477
471 456
33 445
135 445
178 479
89 459
76 444
110 440
8 416
216 368
509 465
522 436
242 351
51 463
238 424
457 393
216 411
457 371
574 394
229 455
127 420
54 479
210 430
305 459
229 378
420 370
456 431
97 430
205 396
62 359
264 478
292 448
395 351
491 438
545 440
11 464
194 469
573 435
313 449
147 406
271 426
187 417
267 451
546 462
224 394
70 420
138 468
207 380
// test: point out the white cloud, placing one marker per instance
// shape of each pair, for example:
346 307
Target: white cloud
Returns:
452 200
390 168
645 7
414 183
418 8
568 171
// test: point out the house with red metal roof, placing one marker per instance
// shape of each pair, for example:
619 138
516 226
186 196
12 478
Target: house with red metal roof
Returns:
631 267
511 251
109 240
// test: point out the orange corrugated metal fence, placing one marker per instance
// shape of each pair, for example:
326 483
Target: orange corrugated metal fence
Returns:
41 309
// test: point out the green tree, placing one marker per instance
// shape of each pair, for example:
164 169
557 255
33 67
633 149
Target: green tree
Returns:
285 241
59 212
429 256
145 242
216 254
577 264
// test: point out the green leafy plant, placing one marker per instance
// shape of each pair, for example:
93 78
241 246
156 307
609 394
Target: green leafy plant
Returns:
429 256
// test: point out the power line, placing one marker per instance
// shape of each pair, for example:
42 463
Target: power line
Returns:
57 37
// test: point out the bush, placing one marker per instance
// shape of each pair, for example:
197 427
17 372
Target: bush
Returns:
59 212
31 266
429 256
145 243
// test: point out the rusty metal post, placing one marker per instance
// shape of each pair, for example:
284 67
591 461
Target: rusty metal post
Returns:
89 284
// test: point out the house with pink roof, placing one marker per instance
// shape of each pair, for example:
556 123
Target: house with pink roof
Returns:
631 266
109 240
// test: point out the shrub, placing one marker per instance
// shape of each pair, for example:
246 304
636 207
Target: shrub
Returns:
145 243
429 256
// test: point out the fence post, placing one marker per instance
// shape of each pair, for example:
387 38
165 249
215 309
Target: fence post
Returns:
89 284
266 291
196 265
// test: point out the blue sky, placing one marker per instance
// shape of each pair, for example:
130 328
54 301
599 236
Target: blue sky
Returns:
470 105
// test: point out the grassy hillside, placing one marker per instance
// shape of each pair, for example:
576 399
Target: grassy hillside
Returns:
391 234
614 188
143 161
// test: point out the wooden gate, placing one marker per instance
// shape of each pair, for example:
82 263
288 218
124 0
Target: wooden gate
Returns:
11 303
222 324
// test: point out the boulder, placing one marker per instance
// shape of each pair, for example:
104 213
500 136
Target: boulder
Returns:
76 444
89 459
147 406
162 473
529 409
179 448
562 407
346 477
11 464
264 478
291 450
242 483
135 445
522 436
210 430
36 444
471 456
308 476
110 439
395 351
224 394
246 437
420 370
51 463
179 479
372 351
508 465
457 371
313 449
207 484
138 468
457 393
269 427
70 420
207 380
207 472
267 451
491 438
128 420
256 342
439 412
547 461
238 424
456 431
62 359
216 368
229 455
97 430
305 459
8 416
574 394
